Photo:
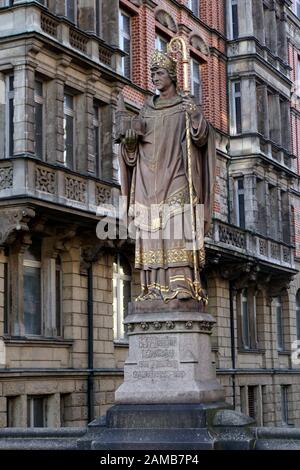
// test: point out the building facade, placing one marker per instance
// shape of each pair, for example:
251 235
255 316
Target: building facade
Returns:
64 292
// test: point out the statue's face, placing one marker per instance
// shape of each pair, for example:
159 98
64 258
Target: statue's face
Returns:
161 79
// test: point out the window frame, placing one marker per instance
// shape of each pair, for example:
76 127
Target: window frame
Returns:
70 112
246 339
118 285
233 4
34 264
196 65
159 40
194 9
75 21
285 412
298 315
279 325
97 138
9 127
297 8
240 196
237 105
128 36
40 99
30 410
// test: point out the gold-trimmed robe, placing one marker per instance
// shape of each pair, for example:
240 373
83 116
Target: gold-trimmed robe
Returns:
154 177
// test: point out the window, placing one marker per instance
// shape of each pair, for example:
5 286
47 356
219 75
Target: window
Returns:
245 319
10 115
194 6
297 7
285 404
252 401
11 411
234 26
69 130
71 10
96 137
125 42
274 212
38 118
298 314
237 108
36 411
196 81
6 298
161 44
279 321
240 202
6 3
32 290
98 18
58 298
121 293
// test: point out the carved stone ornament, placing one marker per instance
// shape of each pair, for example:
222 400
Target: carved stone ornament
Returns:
13 220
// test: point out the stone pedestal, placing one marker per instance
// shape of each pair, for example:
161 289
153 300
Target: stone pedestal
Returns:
169 355
170 398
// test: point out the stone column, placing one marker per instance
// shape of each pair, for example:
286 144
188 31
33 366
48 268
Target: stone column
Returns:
81 133
57 7
53 411
55 121
271 30
249 189
258 20
245 18
274 118
282 31
110 22
24 76
249 114
86 15
285 112
48 273
262 111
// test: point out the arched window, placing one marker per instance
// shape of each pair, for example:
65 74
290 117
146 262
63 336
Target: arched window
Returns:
298 314
121 294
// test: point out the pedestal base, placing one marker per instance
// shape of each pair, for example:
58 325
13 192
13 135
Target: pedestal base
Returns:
175 427
169 357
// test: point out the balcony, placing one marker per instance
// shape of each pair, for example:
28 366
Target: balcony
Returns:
232 239
250 46
29 18
25 177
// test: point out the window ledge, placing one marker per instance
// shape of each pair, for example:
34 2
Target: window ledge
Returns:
284 353
121 343
21 340
251 351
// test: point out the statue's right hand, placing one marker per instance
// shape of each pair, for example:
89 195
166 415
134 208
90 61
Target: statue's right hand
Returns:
130 140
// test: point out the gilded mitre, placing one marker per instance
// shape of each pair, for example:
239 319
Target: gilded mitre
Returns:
163 61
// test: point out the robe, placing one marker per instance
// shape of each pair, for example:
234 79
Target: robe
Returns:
154 178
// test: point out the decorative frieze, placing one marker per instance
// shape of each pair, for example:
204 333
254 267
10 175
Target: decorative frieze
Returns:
75 189
45 180
6 177
103 195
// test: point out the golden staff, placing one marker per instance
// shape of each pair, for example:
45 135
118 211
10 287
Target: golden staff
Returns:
177 45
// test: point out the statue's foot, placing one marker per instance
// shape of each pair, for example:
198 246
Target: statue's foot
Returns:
150 295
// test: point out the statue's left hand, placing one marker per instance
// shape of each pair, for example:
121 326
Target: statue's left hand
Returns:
189 105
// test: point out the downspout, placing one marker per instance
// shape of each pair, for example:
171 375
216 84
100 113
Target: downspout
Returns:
232 341
90 384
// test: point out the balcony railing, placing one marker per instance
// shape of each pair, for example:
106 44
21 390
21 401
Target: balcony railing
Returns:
29 18
24 177
232 238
